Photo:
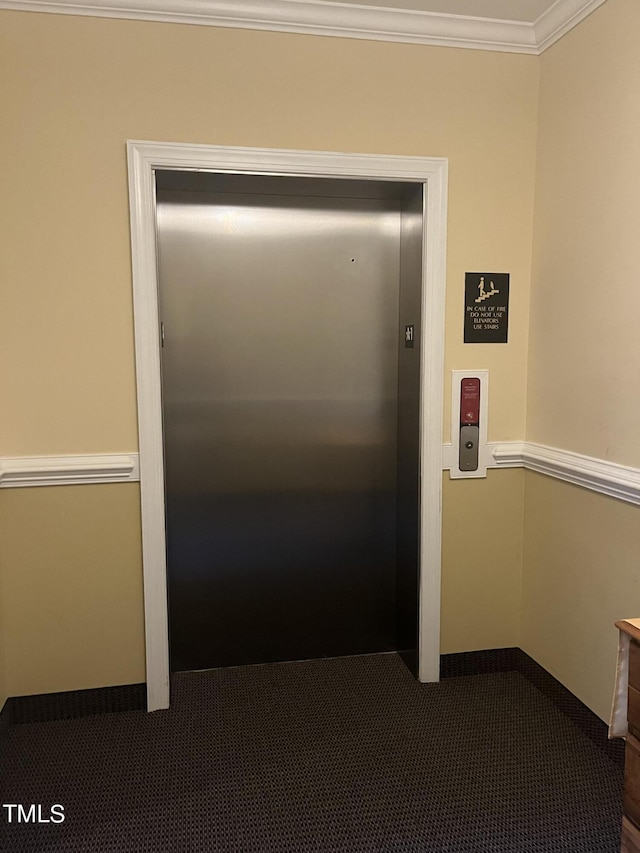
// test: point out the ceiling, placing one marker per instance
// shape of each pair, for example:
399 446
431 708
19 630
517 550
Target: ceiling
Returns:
513 26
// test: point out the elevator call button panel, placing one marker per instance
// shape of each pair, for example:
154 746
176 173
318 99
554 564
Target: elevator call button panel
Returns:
469 424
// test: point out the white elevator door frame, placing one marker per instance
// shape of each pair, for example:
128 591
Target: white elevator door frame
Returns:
144 158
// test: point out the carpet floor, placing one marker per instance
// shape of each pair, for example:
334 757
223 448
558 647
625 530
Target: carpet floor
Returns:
348 754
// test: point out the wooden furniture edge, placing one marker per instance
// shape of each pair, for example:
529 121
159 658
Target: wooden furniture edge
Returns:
629 629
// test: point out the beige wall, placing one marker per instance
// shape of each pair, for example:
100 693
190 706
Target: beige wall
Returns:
75 90
581 549
584 359
481 562
72 587
78 88
580 576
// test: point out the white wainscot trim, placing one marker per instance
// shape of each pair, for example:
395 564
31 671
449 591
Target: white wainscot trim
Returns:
598 475
22 471
509 452
608 478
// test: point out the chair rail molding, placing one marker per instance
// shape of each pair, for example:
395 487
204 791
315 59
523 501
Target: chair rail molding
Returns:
607 478
344 20
22 471
598 475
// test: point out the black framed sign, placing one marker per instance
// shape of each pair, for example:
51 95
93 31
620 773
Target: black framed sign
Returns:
486 312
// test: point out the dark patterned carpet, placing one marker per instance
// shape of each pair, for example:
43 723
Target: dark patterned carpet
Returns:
349 754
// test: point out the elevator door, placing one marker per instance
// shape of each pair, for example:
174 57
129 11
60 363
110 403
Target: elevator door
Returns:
280 376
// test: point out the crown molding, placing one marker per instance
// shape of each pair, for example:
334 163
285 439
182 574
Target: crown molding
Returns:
312 17
563 16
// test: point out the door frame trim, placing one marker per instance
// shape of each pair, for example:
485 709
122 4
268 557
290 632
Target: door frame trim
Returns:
143 159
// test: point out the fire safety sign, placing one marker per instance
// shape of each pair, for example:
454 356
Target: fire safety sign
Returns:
486 317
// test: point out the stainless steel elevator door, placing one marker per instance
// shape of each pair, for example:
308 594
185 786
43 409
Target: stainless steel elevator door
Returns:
280 373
